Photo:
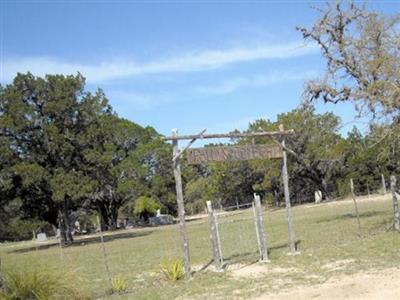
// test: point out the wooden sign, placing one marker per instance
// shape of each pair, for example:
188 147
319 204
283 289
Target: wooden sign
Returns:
197 156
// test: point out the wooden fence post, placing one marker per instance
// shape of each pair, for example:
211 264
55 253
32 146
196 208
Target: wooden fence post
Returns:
214 237
355 204
285 178
383 185
181 206
396 221
259 222
256 226
104 253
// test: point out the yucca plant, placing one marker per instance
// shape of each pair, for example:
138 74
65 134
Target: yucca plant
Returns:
119 284
172 269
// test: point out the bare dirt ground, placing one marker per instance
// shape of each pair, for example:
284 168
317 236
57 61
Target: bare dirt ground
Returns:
382 284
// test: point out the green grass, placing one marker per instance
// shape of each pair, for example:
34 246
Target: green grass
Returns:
326 233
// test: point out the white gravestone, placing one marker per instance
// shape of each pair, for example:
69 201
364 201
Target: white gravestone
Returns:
318 196
41 237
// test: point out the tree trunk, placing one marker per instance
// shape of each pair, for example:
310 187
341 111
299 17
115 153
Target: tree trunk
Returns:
277 199
108 216
113 217
325 189
65 229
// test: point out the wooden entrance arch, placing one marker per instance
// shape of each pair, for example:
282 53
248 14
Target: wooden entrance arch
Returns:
228 153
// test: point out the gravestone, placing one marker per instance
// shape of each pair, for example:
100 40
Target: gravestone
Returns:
41 237
318 196
161 220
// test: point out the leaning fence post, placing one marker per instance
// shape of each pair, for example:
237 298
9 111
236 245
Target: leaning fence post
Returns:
396 221
259 222
355 204
214 236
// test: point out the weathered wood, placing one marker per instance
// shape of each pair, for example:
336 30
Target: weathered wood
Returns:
256 226
396 211
229 135
181 208
214 237
355 204
232 153
104 253
383 184
188 146
285 179
262 242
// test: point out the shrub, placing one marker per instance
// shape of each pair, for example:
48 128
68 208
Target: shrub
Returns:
173 269
119 284
23 229
146 207
37 282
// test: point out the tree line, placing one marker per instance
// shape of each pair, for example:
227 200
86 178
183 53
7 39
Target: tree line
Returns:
66 153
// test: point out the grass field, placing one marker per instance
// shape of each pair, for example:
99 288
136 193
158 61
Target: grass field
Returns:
328 237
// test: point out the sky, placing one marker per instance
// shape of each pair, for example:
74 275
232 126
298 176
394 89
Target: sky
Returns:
188 65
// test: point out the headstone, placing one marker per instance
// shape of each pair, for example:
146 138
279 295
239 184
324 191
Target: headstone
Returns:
318 196
161 220
41 237
77 226
158 212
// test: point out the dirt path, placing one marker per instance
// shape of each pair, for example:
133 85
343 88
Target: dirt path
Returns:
384 284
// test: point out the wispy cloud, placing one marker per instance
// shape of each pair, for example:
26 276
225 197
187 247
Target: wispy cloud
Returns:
234 84
239 124
189 62
123 100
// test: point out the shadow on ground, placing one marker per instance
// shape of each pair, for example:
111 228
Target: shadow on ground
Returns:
347 216
84 241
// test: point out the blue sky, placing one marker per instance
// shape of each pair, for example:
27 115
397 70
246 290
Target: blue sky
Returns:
182 64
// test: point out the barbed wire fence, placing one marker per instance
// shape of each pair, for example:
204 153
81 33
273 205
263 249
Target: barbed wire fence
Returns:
233 230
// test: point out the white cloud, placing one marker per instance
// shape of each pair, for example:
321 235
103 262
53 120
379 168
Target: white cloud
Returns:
189 62
122 100
234 84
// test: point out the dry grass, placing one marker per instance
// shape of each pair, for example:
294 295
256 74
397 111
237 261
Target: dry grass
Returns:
327 233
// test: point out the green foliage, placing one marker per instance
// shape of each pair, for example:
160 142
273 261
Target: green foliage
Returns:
38 282
23 229
172 269
196 195
63 149
146 207
119 284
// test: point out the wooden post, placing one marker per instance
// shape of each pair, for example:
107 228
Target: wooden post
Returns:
214 237
383 185
285 179
181 207
368 193
104 254
256 226
262 243
396 221
355 204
